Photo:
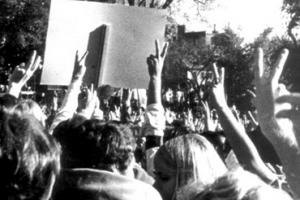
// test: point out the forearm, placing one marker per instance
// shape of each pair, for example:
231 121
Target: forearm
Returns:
242 145
69 105
287 150
154 90
70 101
291 166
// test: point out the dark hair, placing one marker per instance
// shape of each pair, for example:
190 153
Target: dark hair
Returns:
177 128
8 101
117 145
96 144
29 158
66 133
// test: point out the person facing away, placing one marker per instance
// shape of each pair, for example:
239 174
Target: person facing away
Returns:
29 158
183 160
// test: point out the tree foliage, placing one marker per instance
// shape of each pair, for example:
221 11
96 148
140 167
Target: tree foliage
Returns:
237 60
227 51
292 8
23 26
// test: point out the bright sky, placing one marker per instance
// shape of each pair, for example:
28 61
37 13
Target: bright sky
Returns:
248 17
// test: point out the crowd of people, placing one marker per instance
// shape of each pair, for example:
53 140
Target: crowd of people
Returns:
169 146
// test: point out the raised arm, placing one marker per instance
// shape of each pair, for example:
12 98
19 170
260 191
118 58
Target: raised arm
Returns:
155 67
242 145
70 101
154 115
22 74
154 125
279 130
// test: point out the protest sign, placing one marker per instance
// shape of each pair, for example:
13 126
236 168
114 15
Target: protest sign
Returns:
118 38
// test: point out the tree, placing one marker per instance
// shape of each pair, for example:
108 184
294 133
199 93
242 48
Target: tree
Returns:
184 54
292 8
23 25
236 59
226 50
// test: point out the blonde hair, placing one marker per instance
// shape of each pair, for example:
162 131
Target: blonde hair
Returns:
30 107
240 185
192 158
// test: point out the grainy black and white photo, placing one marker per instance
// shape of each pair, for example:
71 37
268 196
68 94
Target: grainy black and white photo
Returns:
150 99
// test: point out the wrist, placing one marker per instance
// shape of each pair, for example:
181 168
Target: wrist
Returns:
222 107
97 114
85 113
156 76
14 90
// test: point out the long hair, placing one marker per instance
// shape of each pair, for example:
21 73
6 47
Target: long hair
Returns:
192 158
240 185
29 106
29 158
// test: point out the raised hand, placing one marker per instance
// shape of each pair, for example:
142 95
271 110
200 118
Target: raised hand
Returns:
90 104
268 89
189 120
234 130
70 102
79 67
292 113
218 90
97 113
115 114
22 73
169 115
279 131
210 124
155 67
156 62
236 113
253 121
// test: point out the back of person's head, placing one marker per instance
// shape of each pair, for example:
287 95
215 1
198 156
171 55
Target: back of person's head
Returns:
186 159
116 146
99 145
240 185
28 106
75 149
29 158
8 101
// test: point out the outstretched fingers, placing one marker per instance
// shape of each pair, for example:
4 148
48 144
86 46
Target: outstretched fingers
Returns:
35 65
32 60
222 75
293 98
219 74
164 51
80 66
216 73
259 64
290 114
157 49
82 59
32 65
158 53
277 71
